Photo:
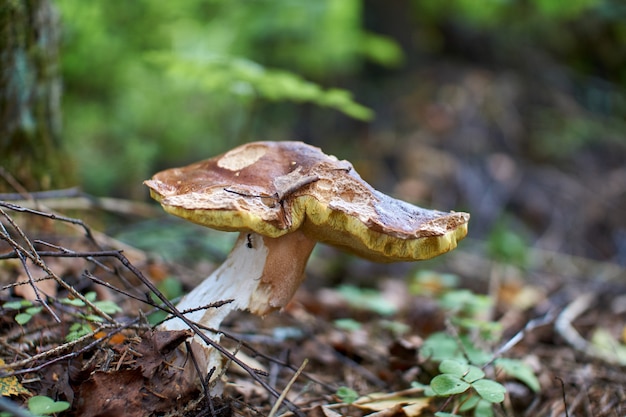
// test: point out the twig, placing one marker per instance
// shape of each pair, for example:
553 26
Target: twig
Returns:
563 324
47 353
4 234
75 199
563 394
530 326
41 195
203 381
51 216
272 359
287 388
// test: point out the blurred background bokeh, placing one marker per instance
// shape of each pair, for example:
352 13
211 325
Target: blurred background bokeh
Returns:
512 110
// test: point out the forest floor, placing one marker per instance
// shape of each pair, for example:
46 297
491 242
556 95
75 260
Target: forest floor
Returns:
335 350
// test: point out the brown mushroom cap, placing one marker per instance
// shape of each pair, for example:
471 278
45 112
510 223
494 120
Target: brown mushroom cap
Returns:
275 188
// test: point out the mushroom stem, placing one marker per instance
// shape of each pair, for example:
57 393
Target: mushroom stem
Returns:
260 274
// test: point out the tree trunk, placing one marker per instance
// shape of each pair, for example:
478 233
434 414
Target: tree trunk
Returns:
30 97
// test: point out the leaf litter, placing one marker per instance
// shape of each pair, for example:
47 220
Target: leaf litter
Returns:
123 367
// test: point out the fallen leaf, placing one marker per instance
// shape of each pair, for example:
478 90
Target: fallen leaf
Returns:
10 385
382 401
161 377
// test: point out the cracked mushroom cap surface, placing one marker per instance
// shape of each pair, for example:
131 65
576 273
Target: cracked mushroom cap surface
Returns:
275 188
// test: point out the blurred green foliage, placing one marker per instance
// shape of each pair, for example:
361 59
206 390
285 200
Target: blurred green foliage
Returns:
153 84
573 51
150 83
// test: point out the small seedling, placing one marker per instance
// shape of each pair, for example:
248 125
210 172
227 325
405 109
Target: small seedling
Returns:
457 378
461 362
27 310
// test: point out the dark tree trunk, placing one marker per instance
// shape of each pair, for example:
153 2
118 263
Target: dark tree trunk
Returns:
30 97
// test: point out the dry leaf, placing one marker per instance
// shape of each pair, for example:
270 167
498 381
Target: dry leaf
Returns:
10 385
411 406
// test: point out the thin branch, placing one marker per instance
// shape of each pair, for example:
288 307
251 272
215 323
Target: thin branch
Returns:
51 216
283 395
4 234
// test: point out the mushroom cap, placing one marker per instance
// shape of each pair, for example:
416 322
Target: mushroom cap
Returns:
275 188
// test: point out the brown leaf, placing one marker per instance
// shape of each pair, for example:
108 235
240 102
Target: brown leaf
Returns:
112 394
162 377
154 346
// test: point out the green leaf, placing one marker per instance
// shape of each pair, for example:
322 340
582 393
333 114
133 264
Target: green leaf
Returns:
483 409
78 330
518 369
33 310
367 299
454 367
93 318
16 305
489 390
41 404
73 302
446 385
440 346
466 302
473 374
23 318
461 369
470 402
443 414
347 395
171 287
428 392
108 307
348 324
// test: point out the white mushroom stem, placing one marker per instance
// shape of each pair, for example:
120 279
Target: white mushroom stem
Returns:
260 274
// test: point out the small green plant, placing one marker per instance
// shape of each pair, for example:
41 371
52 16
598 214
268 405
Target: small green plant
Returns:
468 310
478 392
106 306
84 327
27 310
462 360
462 378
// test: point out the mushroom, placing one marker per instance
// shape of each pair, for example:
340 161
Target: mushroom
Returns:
283 197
